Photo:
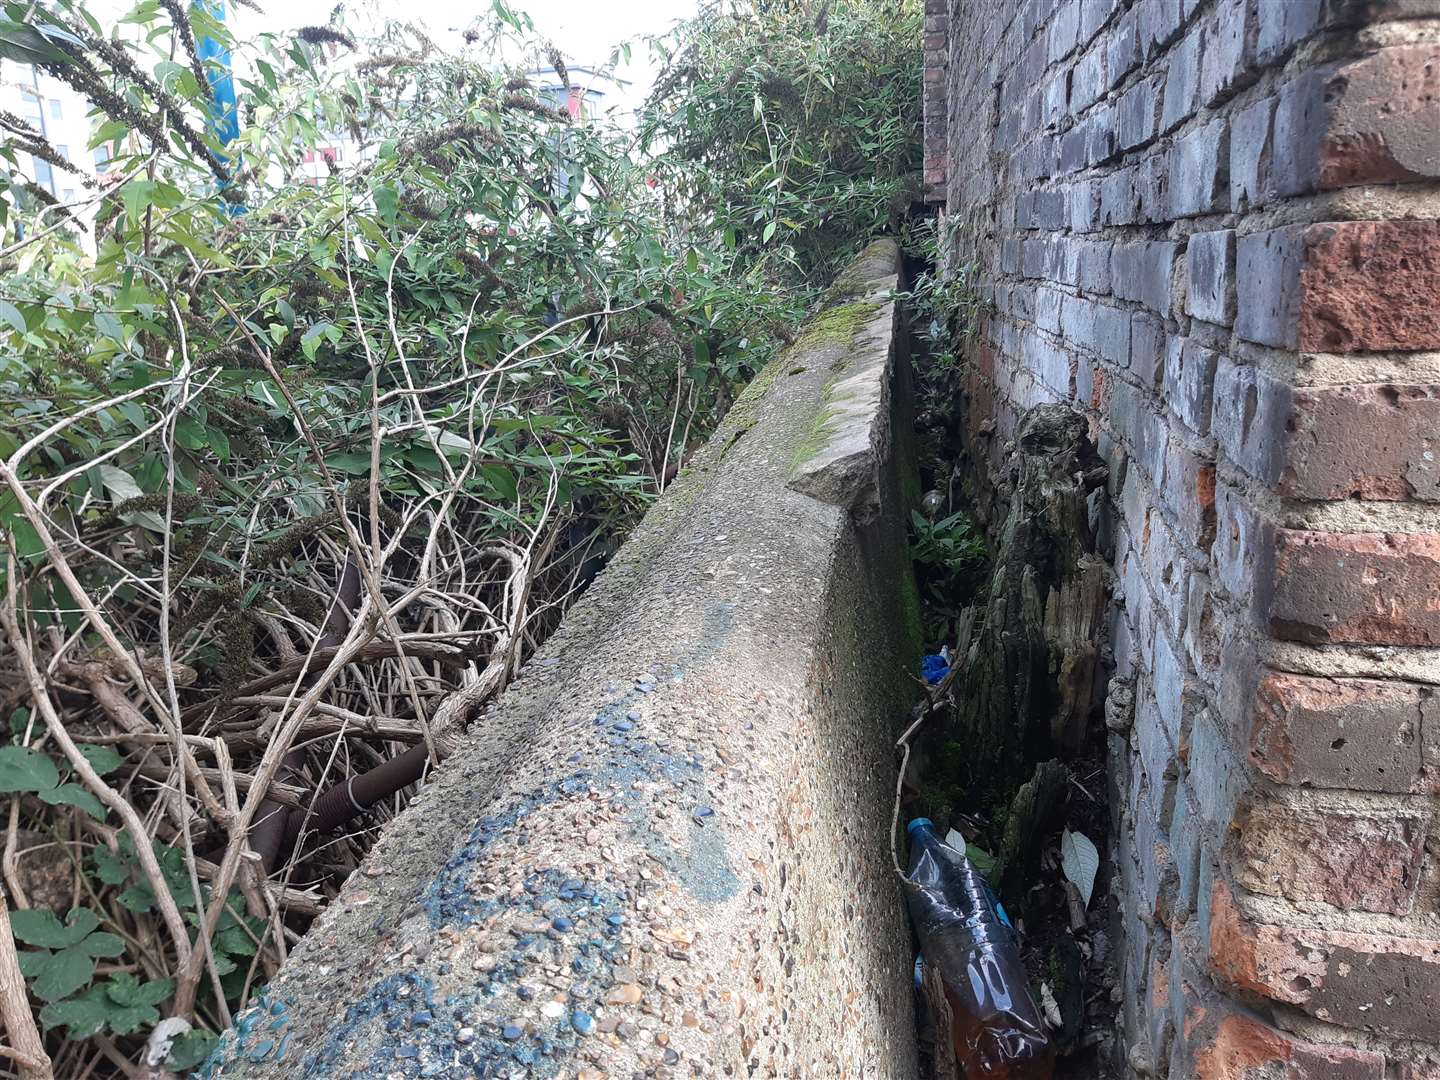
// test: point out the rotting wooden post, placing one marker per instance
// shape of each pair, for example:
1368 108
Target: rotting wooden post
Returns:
1032 685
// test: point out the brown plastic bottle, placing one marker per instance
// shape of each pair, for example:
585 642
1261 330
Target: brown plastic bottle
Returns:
998 1032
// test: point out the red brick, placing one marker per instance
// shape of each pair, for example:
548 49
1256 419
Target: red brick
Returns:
1373 981
1372 441
1362 588
1341 733
1353 861
1241 1047
1370 285
1383 118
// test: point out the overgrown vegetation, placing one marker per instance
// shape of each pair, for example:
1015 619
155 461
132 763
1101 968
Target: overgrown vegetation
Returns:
295 473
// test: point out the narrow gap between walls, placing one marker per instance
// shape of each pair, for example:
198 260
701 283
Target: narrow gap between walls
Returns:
1012 752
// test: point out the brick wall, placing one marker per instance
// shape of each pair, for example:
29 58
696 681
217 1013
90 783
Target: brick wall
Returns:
1211 225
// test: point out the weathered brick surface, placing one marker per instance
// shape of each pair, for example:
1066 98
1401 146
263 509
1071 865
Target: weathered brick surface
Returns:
1373 981
1153 195
1238 1046
1364 734
1351 860
1366 588
1371 285
1383 118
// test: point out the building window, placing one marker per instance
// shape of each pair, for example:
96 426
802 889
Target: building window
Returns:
44 175
63 150
102 157
68 195
56 112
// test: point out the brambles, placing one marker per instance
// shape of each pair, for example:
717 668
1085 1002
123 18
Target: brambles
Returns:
298 466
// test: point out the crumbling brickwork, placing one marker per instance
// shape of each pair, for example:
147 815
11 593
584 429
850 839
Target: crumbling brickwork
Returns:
1212 226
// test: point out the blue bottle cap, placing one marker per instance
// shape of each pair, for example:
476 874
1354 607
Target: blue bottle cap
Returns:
919 823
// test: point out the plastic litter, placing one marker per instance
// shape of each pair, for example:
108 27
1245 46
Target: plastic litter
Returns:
934 666
998 1031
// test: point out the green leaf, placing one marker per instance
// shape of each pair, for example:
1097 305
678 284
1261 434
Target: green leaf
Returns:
119 483
102 943
769 232
39 926
190 1049
219 442
386 202
102 759
110 868
75 795
82 1016
190 433
11 314
137 196
310 340
125 989
63 973
23 769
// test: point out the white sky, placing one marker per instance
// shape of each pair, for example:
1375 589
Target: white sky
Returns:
586 31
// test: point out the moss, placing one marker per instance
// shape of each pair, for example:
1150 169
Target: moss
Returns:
835 325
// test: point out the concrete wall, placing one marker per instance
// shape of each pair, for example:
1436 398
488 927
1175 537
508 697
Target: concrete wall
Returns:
663 852
1211 226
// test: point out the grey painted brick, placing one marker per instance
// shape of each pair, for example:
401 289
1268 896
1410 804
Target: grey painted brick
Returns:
1094 266
1104 138
1182 82
1171 684
1034 258
1122 51
1160 22
1147 348
1199 167
1299 129
1137 114
1157 759
1251 420
1250 156
1064 30
1024 215
1152 180
1190 382
1216 775
1050 211
1087 80
1010 255
1112 334
1084 205
1073 148
1047 309
1084 380
1141 271
1283 23
1057 92
1049 365
1267 285
1077 321
1189 483
1093 15
1119 197
1210 271
1225 62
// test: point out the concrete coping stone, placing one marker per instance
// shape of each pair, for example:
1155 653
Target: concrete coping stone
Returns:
663 851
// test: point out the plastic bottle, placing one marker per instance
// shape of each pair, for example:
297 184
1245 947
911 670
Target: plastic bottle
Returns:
964 932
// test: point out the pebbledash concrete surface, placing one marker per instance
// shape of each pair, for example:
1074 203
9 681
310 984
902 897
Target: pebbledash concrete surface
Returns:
663 852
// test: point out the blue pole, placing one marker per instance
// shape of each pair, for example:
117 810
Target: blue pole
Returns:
215 59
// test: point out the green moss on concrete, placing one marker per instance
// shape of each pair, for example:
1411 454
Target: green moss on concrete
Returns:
836 325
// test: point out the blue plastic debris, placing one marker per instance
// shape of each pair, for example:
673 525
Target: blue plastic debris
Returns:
933 668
